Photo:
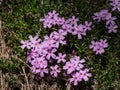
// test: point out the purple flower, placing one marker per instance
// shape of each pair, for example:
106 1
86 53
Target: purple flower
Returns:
59 37
42 71
97 17
103 13
42 50
28 59
51 53
80 31
112 28
67 27
103 43
53 14
33 69
25 44
110 19
39 62
61 58
42 63
76 78
87 25
93 44
55 70
47 23
34 41
69 67
55 20
73 20
115 5
62 33
50 19
61 21
107 16
99 50
99 46
33 54
84 74
78 64
49 44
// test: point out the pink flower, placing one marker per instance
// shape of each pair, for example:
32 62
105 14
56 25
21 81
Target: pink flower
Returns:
55 70
42 63
97 17
107 16
61 21
110 19
50 19
34 41
55 20
69 67
50 44
53 14
99 46
80 31
84 74
66 27
51 53
115 5
61 58
59 37
25 44
78 63
112 28
39 62
42 50
103 43
87 25
42 71
47 23
103 13
93 44
76 78
73 20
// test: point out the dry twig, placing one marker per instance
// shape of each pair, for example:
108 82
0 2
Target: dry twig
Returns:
28 86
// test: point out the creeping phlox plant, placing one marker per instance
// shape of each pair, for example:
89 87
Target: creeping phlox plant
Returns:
98 46
43 55
105 15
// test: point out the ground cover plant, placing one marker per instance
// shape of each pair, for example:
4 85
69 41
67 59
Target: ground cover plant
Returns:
93 42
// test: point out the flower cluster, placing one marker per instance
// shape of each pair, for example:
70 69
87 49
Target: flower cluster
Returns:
43 59
74 68
105 15
99 46
115 5
51 19
43 56
69 26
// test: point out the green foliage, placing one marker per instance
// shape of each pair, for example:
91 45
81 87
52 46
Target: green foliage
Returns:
10 65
